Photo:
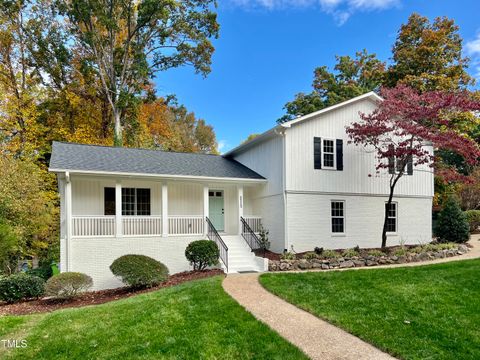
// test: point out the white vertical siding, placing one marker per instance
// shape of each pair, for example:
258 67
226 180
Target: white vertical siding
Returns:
88 194
185 198
359 173
309 221
266 159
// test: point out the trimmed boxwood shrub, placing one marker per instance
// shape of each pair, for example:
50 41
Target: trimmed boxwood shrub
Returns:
202 253
68 285
473 217
139 271
21 286
452 224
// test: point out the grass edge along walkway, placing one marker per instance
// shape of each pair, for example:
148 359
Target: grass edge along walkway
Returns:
411 312
192 320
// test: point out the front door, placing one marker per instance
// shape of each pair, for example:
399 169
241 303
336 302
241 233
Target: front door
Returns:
216 209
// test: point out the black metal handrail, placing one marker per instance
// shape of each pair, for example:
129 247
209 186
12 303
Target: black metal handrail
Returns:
213 235
249 235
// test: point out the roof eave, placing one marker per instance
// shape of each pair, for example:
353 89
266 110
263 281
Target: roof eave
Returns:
158 176
258 139
372 95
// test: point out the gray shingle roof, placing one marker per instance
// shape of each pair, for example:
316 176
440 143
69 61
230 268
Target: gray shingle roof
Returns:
77 157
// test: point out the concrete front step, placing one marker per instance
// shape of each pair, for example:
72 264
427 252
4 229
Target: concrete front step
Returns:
240 256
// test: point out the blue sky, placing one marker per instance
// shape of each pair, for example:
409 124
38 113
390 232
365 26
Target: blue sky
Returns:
268 49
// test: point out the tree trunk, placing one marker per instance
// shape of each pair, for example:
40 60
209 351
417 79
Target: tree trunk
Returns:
117 137
385 220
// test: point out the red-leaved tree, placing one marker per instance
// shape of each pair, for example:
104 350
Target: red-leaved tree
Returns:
405 126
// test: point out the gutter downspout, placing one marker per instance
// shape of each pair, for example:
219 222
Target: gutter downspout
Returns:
284 184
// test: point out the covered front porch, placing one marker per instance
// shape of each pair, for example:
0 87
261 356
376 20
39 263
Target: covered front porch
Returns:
99 207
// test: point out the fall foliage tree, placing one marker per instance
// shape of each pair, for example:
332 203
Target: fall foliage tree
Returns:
20 133
404 126
51 89
165 125
27 208
351 77
426 56
125 43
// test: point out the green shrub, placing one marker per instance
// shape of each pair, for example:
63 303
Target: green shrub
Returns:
446 246
202 253
452 224
401 251
376 253
139 271
348 253
21 287
263 239
473 218
310 255
433 247
330 254
44 272
287 255
318 250
417 249
68 285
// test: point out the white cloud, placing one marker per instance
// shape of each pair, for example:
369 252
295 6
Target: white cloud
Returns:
341 10
472 48
222 144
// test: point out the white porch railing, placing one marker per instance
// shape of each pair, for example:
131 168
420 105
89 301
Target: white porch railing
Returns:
141 225
98 226
86 226
255 222
186 225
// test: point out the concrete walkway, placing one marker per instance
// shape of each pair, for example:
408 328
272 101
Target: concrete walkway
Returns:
315 337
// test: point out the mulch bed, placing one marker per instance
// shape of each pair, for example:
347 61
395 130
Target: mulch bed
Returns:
99 297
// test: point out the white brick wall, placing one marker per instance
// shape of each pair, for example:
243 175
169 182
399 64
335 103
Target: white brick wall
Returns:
94 256
309 221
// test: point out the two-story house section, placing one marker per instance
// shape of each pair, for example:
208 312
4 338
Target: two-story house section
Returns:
324 192
301 180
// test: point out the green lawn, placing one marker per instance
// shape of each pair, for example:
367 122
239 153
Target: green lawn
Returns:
195 320
426 312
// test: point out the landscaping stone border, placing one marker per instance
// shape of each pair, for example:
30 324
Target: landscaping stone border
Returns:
363 260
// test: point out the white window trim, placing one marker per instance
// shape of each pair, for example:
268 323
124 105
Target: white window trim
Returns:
344 218
393 233
135 208
334 154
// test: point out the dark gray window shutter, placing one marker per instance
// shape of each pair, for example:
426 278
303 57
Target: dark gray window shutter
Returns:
410 165
317 153
339 154
391 160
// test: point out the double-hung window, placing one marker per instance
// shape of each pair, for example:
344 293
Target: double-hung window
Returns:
338 216
328 158
327 154
392 212
134 201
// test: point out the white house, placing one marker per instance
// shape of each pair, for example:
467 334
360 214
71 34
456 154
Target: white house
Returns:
301 180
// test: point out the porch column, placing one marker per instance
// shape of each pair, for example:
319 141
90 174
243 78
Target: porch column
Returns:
68 221
164 210
205 209
240 207
118 209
